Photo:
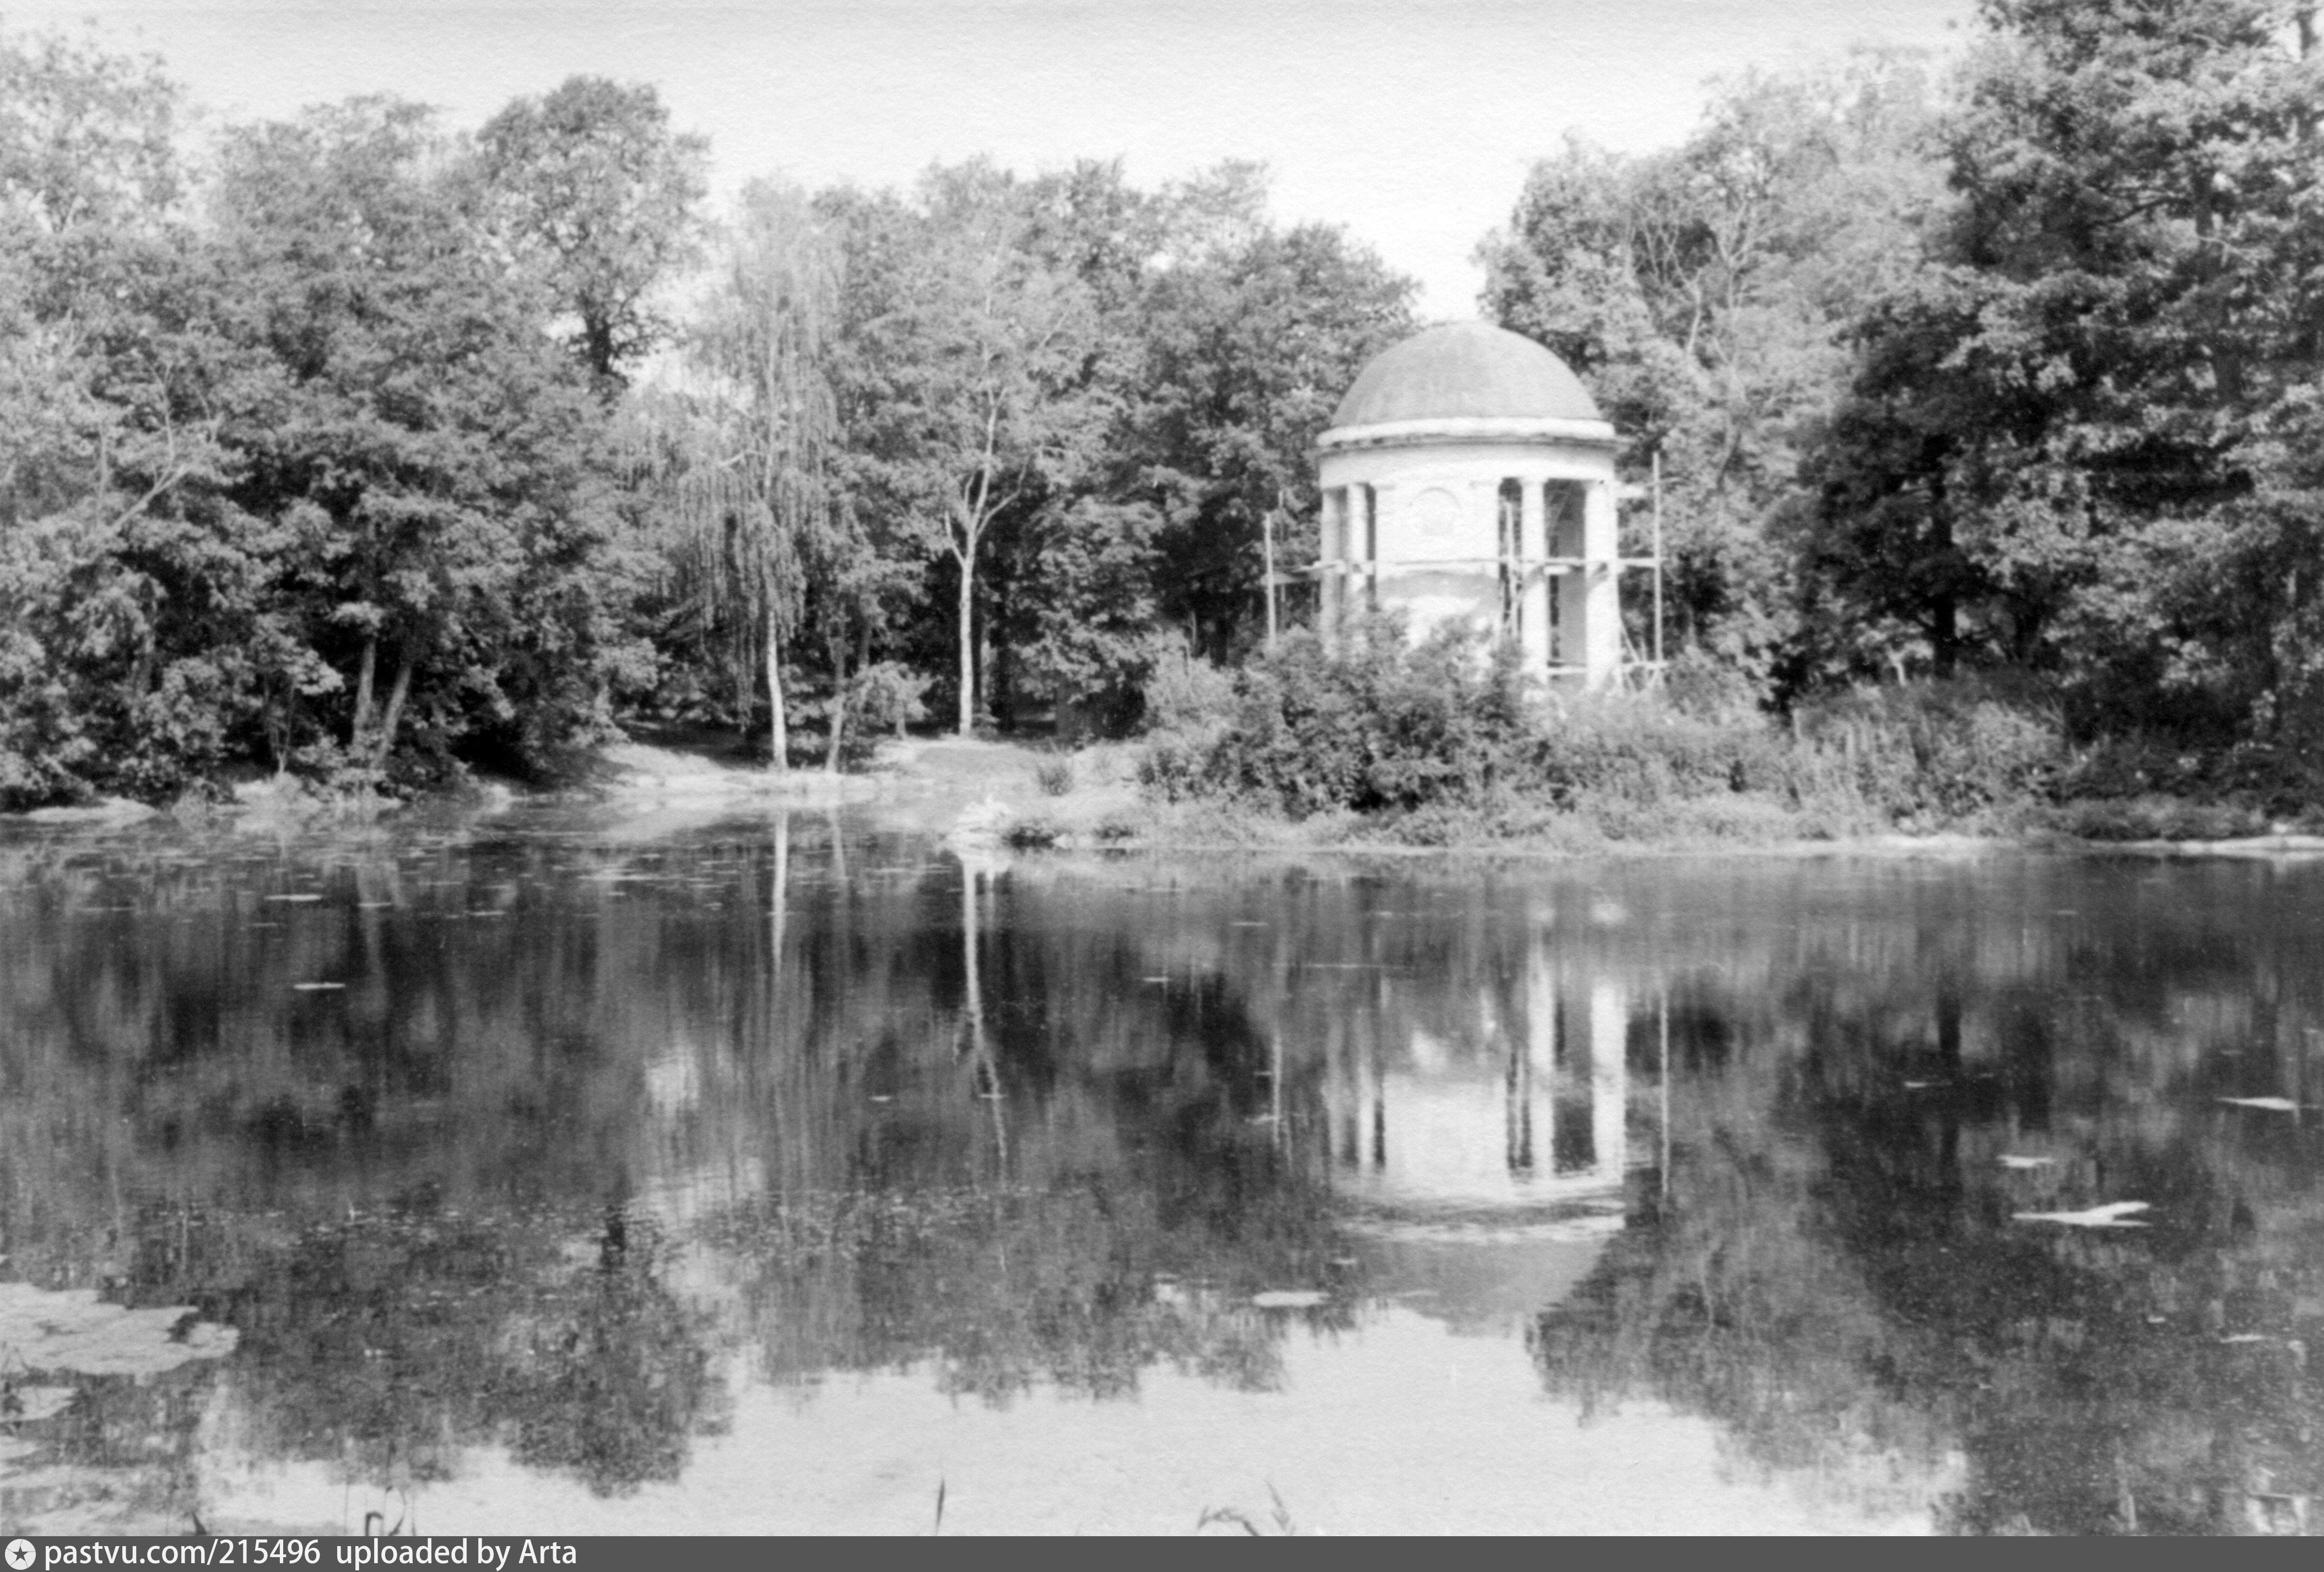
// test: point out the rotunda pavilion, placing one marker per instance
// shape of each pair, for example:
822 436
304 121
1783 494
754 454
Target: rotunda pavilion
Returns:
1468 474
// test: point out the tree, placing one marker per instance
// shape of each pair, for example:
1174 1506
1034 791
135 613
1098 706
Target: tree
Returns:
971 395
755 495
412 428
1704 294
135 642
85 136
593 181
139 642
2117 302
1247 345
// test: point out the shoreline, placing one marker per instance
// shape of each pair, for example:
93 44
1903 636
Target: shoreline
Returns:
991 795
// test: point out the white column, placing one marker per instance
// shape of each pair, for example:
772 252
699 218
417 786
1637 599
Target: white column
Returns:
1481 523
1566 542
1601 612
1386 537
1541 1011
1534 541
1540 1080
1332 559
1609 1080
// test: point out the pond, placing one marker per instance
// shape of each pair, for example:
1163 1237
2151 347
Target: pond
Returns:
778 1173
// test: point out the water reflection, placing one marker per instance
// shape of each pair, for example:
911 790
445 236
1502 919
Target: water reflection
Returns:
536 1166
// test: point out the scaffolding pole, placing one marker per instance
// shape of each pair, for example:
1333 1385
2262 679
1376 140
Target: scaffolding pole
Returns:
1267 538
1660 669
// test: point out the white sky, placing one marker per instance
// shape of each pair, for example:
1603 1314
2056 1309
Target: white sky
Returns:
1408 122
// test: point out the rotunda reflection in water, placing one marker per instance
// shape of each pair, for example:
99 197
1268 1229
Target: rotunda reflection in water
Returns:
1482 1173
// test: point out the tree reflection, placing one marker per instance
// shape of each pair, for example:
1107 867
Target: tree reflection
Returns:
588 1132
1835 1270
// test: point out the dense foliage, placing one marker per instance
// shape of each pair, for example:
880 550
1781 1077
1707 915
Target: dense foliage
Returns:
2008 367
382 452
1436 744
294 475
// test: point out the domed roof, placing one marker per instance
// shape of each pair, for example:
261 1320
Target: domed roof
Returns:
1465 370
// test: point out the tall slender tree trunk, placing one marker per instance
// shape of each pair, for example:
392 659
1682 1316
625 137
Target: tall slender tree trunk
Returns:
746 681
838 706
1944 634
388 722
1944 605
780 743
967 639
363 692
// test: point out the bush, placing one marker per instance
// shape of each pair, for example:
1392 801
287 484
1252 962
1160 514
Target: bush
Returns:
1944 749
1449 739
1447 744
1637 750
1184 691
1189 703
1382 726
1035 833
887 696
2154 818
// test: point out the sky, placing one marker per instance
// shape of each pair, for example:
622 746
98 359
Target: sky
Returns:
1409 122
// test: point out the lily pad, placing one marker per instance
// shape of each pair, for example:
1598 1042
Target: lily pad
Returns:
71 1329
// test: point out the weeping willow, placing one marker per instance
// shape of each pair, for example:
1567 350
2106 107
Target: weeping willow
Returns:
745 464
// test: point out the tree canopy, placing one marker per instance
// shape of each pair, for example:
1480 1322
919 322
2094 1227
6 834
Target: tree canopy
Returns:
378 452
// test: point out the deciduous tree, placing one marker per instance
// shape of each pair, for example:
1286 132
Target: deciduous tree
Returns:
593 181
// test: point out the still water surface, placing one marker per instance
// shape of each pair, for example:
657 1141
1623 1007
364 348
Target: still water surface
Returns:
778 1175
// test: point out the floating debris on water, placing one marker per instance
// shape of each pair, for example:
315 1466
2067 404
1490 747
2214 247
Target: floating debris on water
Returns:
2011 1159
2280 1105
2114 1214
318 987
1290 1299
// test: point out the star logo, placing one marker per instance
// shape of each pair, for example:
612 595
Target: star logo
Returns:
20 1554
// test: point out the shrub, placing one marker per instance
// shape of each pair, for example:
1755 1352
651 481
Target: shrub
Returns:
1637 750
1054 778
1175 767
2154 818
889 696
1443 742
1944 749
1184 691
1382 726
1189 703
1035 833
1701 684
